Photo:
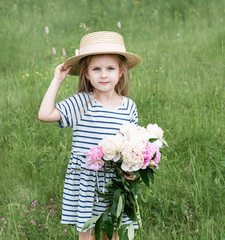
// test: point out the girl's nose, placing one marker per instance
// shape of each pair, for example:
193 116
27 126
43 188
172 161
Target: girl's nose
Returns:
103 74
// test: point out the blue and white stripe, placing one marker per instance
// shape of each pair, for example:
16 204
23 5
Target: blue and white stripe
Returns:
90 121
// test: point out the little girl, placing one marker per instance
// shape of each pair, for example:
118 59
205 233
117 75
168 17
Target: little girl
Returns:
98 109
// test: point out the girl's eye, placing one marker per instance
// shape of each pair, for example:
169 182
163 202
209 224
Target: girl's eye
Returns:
111 68
96 69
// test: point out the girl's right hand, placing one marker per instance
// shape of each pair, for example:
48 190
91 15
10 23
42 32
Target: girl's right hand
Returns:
61 73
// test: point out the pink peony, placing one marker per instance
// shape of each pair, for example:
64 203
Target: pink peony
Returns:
94 158
149 152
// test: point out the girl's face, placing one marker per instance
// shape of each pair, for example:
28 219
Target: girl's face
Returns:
104 73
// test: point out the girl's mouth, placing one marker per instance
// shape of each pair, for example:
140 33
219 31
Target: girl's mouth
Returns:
104 83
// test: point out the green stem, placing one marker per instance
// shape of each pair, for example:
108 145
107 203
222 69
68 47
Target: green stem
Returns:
120 223
137 210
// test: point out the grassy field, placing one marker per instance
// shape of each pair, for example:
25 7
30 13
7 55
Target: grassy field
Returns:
179 86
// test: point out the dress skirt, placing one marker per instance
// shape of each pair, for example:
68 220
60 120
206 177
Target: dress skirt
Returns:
80 200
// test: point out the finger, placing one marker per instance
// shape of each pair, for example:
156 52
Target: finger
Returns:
68 69
60 66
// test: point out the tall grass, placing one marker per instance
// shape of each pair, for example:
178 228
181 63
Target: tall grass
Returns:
179 85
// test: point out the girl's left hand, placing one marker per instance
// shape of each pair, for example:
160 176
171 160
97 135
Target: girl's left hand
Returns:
131 176
61 73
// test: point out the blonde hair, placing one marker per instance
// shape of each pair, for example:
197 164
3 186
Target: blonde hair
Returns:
122 86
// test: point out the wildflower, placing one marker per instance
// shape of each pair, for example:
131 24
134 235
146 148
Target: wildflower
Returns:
64 231
35 201
64 52
32 222
27 74
39 226
23 76
33 204
51 199
119 25
4 227
83 25
3 219
28 212
53 50
46 30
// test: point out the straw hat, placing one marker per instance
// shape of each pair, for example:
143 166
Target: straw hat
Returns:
101 43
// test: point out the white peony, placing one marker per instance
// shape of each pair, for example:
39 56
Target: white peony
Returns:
157 133
135 135
112 146
127 128
158 143
132 158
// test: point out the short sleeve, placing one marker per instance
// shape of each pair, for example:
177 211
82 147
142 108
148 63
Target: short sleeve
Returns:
70 110
134 114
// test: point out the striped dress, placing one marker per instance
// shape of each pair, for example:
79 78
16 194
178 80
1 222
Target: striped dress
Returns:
91 122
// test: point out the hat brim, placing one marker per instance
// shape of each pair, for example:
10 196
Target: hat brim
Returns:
132 60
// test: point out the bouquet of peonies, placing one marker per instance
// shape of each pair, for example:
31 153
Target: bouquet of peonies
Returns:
132 153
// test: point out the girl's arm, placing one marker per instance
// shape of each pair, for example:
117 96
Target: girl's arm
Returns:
47 111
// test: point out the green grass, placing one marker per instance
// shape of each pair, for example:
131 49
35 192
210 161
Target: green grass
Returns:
179 86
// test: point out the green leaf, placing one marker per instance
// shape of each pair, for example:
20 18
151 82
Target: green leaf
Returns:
104 195
99 227
130 232
135 187
130 212
111 188
90 222
108 226
119 206
144 176
125 235
114 207
153 140
131 198
118 183
151 174
121 230
126 184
